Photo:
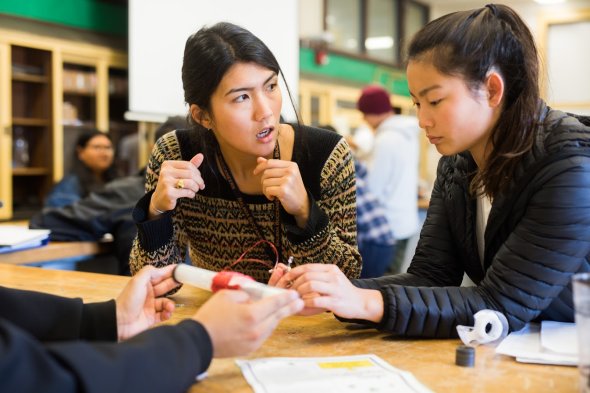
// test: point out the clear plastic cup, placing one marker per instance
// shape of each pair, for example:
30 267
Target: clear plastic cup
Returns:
581 287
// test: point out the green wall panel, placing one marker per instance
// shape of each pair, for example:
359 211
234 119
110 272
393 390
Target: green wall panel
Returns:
90 15
349 69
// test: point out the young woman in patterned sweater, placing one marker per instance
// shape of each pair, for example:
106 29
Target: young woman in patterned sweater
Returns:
239 175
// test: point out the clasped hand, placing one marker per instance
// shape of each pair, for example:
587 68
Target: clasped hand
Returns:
168 191
323 287
282 179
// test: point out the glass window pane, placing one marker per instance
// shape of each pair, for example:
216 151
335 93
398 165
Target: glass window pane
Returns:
315 111
343 18
415 18
382 39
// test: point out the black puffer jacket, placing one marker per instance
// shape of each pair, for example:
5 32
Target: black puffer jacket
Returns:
537 236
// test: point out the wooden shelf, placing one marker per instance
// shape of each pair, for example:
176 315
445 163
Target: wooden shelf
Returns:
30 78
86 78
30 171
29 121
79 93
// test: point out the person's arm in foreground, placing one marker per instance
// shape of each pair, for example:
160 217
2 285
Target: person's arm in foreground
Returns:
324 287
521 284
165 358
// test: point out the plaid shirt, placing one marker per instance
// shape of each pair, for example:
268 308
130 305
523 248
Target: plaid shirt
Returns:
371 222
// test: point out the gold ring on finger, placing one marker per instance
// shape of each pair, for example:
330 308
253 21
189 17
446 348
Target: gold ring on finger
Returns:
180 184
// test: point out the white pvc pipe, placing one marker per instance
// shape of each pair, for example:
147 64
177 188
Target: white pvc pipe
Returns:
202 278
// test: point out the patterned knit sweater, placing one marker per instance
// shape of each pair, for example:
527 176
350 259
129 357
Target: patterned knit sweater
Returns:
214 229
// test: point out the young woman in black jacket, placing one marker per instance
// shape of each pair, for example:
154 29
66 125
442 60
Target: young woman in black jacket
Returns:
511 202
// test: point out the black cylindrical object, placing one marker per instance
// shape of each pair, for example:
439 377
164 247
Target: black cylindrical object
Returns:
465 356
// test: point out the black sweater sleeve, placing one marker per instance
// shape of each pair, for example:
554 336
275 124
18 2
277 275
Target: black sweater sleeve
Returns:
166 358
163 359
54 318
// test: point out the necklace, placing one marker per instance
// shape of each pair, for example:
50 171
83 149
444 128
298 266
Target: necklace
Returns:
244 208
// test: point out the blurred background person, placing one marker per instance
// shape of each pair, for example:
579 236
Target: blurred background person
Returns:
93 167
392 166
374 235
375 239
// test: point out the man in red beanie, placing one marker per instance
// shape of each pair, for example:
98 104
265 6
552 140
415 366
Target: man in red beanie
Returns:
393 166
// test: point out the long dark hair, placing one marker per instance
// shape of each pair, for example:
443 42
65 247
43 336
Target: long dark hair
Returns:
209 54
468 44
85 175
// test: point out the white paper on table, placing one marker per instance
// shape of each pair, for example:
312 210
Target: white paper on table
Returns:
342 374
525 345
559 337
14 236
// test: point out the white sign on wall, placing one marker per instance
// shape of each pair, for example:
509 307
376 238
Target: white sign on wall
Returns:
158 31
568 59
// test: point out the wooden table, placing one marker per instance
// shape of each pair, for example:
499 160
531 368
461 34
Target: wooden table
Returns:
53 251
431 361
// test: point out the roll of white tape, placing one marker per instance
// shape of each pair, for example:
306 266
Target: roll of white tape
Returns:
489 327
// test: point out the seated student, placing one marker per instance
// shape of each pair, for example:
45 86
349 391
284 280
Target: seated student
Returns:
392 166
54 344
107 210
92 168
511 201
240 176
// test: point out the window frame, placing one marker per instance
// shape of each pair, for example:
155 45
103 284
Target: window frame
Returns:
399 26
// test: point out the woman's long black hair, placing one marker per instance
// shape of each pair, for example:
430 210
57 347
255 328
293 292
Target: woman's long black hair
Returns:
469 44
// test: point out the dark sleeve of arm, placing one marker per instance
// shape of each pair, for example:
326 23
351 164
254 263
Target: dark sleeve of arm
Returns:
163 359
331 228
317 221
435 264
152 234
530 270
54 318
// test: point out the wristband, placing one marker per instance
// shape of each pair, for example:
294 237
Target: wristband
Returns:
158 210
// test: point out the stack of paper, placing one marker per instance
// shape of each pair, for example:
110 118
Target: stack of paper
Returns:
13 238
550 343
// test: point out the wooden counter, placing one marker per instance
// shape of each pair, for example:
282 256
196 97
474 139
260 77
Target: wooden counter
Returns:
53 251
431 361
